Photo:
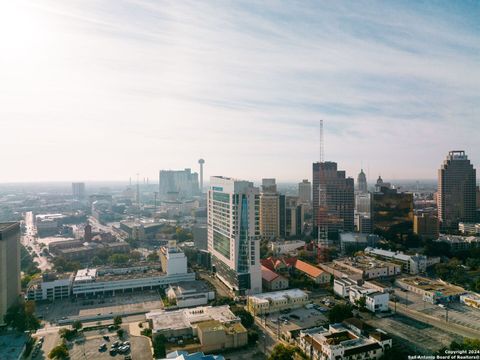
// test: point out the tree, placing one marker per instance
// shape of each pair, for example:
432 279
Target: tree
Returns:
118 259
159 346
152 257
246 318
282 352
468 344
22 317
77 325
59 352
135 255
117 320
67 334
339 313
361 303
120 333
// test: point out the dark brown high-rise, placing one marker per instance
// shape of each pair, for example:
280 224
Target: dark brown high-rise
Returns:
335 211
456 191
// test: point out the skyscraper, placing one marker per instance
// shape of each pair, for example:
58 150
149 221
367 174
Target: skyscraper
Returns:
362 182
270 210
333 198
9 266
78 191
305 191
234 233
182 182
456 191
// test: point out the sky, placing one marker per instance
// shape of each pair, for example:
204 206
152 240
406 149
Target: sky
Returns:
103 90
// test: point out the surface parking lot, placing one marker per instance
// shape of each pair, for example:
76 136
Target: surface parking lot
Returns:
140 347
127 302
458 313
414 335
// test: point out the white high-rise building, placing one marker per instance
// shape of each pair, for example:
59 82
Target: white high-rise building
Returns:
234 233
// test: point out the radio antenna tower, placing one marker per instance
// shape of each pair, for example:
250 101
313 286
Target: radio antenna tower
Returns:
322 148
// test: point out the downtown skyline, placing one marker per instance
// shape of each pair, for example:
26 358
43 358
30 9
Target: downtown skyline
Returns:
102 91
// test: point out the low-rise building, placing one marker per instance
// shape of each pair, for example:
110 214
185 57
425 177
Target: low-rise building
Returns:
469 228
369 267
432 290
184 355
341 287
271 281
50 287
286 246
272 302
108 281
190 293
471 299
342 341
318 275
216 328
375 301
458 242
411 264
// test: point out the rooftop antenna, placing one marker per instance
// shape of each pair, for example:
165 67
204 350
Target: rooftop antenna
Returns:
322 149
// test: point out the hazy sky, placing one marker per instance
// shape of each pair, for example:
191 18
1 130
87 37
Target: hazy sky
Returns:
103 90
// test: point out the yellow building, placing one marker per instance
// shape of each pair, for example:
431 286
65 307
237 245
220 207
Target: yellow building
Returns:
268 303
214 336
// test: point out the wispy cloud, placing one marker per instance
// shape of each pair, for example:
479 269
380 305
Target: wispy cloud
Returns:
152 84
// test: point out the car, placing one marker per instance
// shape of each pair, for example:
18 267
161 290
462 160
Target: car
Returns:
113 352
102 347
127 357
106 337
442 306
116 343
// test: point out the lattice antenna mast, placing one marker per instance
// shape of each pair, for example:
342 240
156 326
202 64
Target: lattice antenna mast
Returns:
322 148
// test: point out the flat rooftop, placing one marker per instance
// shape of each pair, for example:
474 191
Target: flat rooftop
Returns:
427 284
189 287
279 295
185 318
365 262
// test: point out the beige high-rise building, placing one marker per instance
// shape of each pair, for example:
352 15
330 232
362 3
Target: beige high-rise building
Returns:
305 191
426 226
269 210
9 266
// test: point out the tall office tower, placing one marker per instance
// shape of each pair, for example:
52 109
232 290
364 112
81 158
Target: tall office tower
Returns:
201 162
294 216
362 182
456 191
305 191
183 183
9 266
78 191
392 210
234 233
270 210
333 198
363 212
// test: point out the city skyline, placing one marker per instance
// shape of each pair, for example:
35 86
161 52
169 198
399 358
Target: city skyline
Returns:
113 89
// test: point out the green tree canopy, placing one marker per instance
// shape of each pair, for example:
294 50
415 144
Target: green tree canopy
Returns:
59 352
339 313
